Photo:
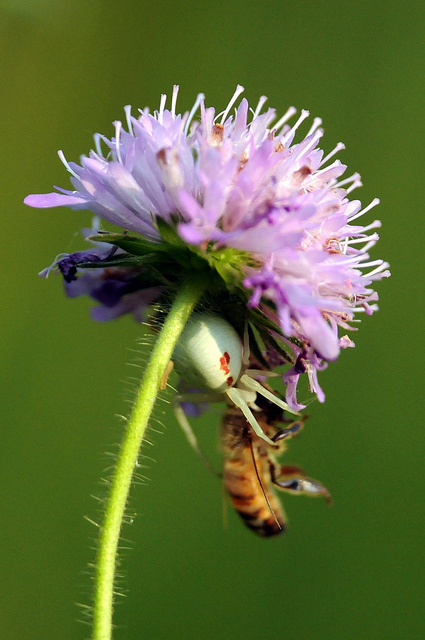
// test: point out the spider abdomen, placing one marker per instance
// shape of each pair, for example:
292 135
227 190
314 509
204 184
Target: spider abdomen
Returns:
209 353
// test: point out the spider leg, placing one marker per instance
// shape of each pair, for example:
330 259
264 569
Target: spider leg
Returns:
246 350
166 375
185 424
253 373
237 398
250 383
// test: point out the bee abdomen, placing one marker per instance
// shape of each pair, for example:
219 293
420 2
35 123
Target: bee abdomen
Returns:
263 526
250 503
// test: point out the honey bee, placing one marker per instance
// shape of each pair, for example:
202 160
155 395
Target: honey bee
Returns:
250 471
211 357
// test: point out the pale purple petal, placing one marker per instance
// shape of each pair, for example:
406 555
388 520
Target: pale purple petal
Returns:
46 200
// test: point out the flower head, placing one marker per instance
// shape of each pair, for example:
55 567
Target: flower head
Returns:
268 217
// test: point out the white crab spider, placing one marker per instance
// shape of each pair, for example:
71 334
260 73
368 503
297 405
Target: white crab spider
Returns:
210 355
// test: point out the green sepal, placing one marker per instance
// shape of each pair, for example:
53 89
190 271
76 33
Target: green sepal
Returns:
229 263
123 260
255 347
169 257
169 233
276 346
262 319
134 245
170 250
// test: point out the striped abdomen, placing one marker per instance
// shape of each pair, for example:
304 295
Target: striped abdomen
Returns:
246 475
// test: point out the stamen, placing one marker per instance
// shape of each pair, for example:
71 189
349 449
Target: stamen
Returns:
162 107
356 183
174 100
54 263
370 244
239 90
360 309
259 106
97 138
127 110
381 267
118 127
354 261
374 202
376 224
372 263
312 143
373 238
303 116
199 98
338 147
68 168
355 176
290 112
316 123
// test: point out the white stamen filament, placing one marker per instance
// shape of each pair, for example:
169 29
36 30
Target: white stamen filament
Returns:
239 90
355 176
338 147
383 265
374 237
379 276
127 110
99 158
355 185
374 202
376 224
373 263
118 128
97 138
361 309
262 101
65 163
199 98
313 142
290 112
174 100
370 244
354 261
303 116
324 192
316 123
162 107
58 257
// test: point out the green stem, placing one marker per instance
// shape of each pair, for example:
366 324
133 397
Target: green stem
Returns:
175 322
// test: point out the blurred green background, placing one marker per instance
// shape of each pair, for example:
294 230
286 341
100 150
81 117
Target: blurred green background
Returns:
355 570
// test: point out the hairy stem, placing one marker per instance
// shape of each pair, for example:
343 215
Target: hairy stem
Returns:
183 305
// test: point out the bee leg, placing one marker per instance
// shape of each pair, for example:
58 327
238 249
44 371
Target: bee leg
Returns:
290 431
293 480
185 424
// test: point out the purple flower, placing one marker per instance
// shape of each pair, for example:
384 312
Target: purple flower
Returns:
117 289
271 214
